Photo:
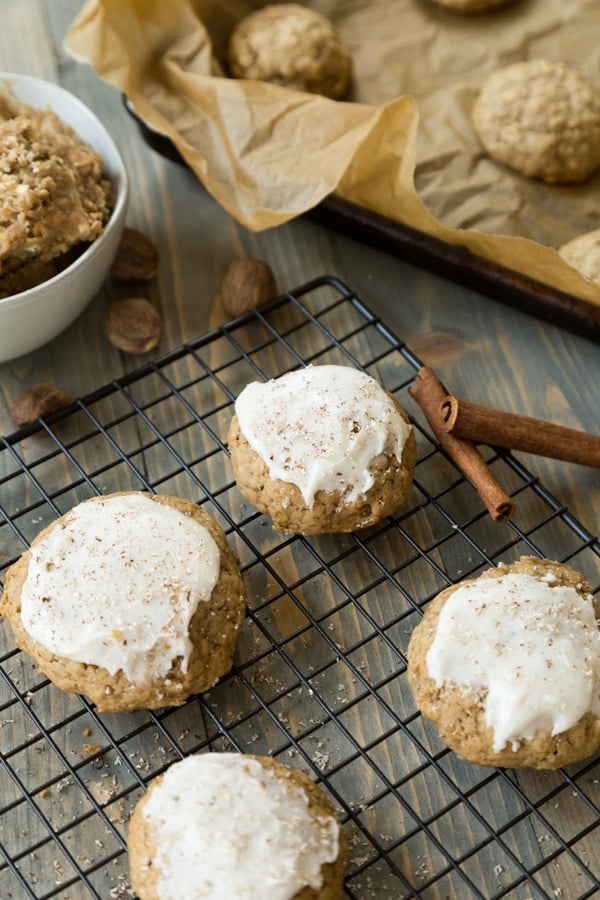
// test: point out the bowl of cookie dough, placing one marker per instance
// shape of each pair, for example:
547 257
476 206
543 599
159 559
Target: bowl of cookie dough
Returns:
64 191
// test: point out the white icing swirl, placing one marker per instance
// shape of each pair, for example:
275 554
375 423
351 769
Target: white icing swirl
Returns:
322 428
225 826
117 583
531 644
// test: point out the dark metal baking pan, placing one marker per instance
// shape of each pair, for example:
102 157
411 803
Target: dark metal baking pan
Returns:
450 261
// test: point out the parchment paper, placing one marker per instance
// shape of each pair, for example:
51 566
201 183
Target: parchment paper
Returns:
402 144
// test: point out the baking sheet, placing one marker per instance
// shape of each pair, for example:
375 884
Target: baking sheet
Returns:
447 260
401 147
319 679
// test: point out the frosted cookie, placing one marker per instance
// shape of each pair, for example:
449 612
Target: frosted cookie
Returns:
583 253
252 828
472 6
541 119
507 666
293 46
323 449
132 599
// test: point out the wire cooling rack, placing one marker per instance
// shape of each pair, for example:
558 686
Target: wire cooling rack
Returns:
319 679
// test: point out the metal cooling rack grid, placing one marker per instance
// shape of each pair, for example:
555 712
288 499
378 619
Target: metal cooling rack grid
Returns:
319 676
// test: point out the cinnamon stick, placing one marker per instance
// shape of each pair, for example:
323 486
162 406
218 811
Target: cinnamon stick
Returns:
483 424
429 393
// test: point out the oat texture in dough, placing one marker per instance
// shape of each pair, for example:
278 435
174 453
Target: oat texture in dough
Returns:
276 824
54 198
293 46
507 666
541 119
323 449
132 599
583 253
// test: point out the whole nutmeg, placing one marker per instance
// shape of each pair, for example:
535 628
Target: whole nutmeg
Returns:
36 402
133 325
136 258
247 283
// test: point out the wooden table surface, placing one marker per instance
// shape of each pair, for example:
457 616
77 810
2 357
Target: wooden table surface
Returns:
482 349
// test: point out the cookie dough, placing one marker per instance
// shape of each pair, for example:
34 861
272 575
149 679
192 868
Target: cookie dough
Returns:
132 599
54 198
541 119
583 253
235 825
293 46
323 449
507 666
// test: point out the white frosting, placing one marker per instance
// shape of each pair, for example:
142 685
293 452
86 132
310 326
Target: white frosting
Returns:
532 644
248 833
117 583
322 428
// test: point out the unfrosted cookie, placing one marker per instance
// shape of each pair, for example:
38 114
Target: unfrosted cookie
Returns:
323 449
132 599
542 119
507 666
583 253
233 825
293 46
472 6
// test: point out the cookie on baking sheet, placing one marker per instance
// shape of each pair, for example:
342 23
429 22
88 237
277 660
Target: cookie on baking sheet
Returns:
472 6
507 666
235 825
132 599
291 45
322 449
583 253
541 119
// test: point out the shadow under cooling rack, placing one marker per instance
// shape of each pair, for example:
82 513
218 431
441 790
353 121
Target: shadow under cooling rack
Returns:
319 680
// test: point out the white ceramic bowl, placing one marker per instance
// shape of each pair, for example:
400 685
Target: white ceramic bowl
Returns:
32 318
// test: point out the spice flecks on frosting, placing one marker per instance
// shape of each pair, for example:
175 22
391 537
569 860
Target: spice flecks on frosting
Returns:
117 583
322 428
226 826
532 645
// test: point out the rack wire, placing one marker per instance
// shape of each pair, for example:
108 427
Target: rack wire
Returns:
319 678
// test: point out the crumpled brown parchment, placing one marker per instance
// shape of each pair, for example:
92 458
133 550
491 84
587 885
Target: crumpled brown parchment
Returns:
402 145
